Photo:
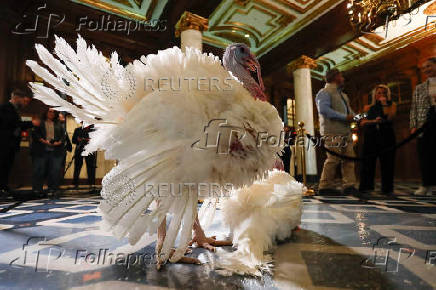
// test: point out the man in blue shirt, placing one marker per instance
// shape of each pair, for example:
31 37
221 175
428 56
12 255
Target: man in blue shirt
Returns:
335 115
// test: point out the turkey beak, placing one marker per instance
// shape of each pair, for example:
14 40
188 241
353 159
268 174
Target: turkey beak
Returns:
254 66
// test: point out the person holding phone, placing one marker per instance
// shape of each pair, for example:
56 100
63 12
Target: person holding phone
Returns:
335 116
379 138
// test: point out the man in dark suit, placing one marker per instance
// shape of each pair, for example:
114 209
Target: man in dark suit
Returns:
10 132
81 139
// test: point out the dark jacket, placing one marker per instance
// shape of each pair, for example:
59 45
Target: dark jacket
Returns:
11 127
36 147
83 134
40 132
378 136
68 145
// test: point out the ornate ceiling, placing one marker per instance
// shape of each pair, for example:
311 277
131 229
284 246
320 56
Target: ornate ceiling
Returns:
267 24
409 28
262 24
131 9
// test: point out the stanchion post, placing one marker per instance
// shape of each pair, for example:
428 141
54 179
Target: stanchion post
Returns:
302 133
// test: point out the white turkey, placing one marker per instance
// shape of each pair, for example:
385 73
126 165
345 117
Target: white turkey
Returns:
174 121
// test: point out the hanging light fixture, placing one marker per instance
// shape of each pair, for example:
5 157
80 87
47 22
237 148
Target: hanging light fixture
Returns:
366 15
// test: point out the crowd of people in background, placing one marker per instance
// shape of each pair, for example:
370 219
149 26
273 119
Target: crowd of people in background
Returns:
49 144
379 141
50 141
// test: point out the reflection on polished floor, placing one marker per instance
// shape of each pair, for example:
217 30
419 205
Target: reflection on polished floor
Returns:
343 243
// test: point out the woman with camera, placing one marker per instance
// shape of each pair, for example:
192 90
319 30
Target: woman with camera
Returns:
48 152
379 137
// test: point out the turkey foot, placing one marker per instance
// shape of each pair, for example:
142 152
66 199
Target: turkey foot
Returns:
161 233
202 241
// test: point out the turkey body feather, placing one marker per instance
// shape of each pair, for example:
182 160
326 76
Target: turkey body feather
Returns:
154 131
258 216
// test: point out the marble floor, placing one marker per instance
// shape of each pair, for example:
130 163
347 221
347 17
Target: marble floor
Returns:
343 243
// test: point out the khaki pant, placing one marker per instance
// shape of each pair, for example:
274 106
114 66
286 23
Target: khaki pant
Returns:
342 145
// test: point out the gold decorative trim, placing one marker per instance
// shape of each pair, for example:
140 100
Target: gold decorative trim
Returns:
190 20
151 8
298 8
301 24
431 9
242 2
302 62
116 10
284 19
278 18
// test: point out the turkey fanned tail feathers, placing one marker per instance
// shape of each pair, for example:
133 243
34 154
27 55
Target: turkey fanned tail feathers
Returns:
151 131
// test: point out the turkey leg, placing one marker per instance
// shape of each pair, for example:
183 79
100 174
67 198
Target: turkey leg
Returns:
161 233
202 241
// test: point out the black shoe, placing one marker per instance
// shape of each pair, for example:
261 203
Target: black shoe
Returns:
5 188
364 194
37 193
351 191
54 193
4 194
388 193
328 192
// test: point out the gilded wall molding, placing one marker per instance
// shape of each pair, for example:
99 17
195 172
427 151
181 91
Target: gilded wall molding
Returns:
190 20
302 62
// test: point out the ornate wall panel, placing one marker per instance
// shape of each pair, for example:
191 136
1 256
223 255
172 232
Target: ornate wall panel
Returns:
131 9
262 24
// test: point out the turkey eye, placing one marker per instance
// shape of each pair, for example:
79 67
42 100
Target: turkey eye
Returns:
241 49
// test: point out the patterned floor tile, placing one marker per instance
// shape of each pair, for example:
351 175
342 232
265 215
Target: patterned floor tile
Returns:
343 242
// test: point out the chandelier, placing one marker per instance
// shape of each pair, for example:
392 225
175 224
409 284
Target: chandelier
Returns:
366 15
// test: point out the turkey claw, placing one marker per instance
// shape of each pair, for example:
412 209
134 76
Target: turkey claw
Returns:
209 243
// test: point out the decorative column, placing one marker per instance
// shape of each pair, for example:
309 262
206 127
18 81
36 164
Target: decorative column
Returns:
304 106
190 27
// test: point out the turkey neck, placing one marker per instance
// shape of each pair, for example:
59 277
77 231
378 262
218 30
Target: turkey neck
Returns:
249 82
